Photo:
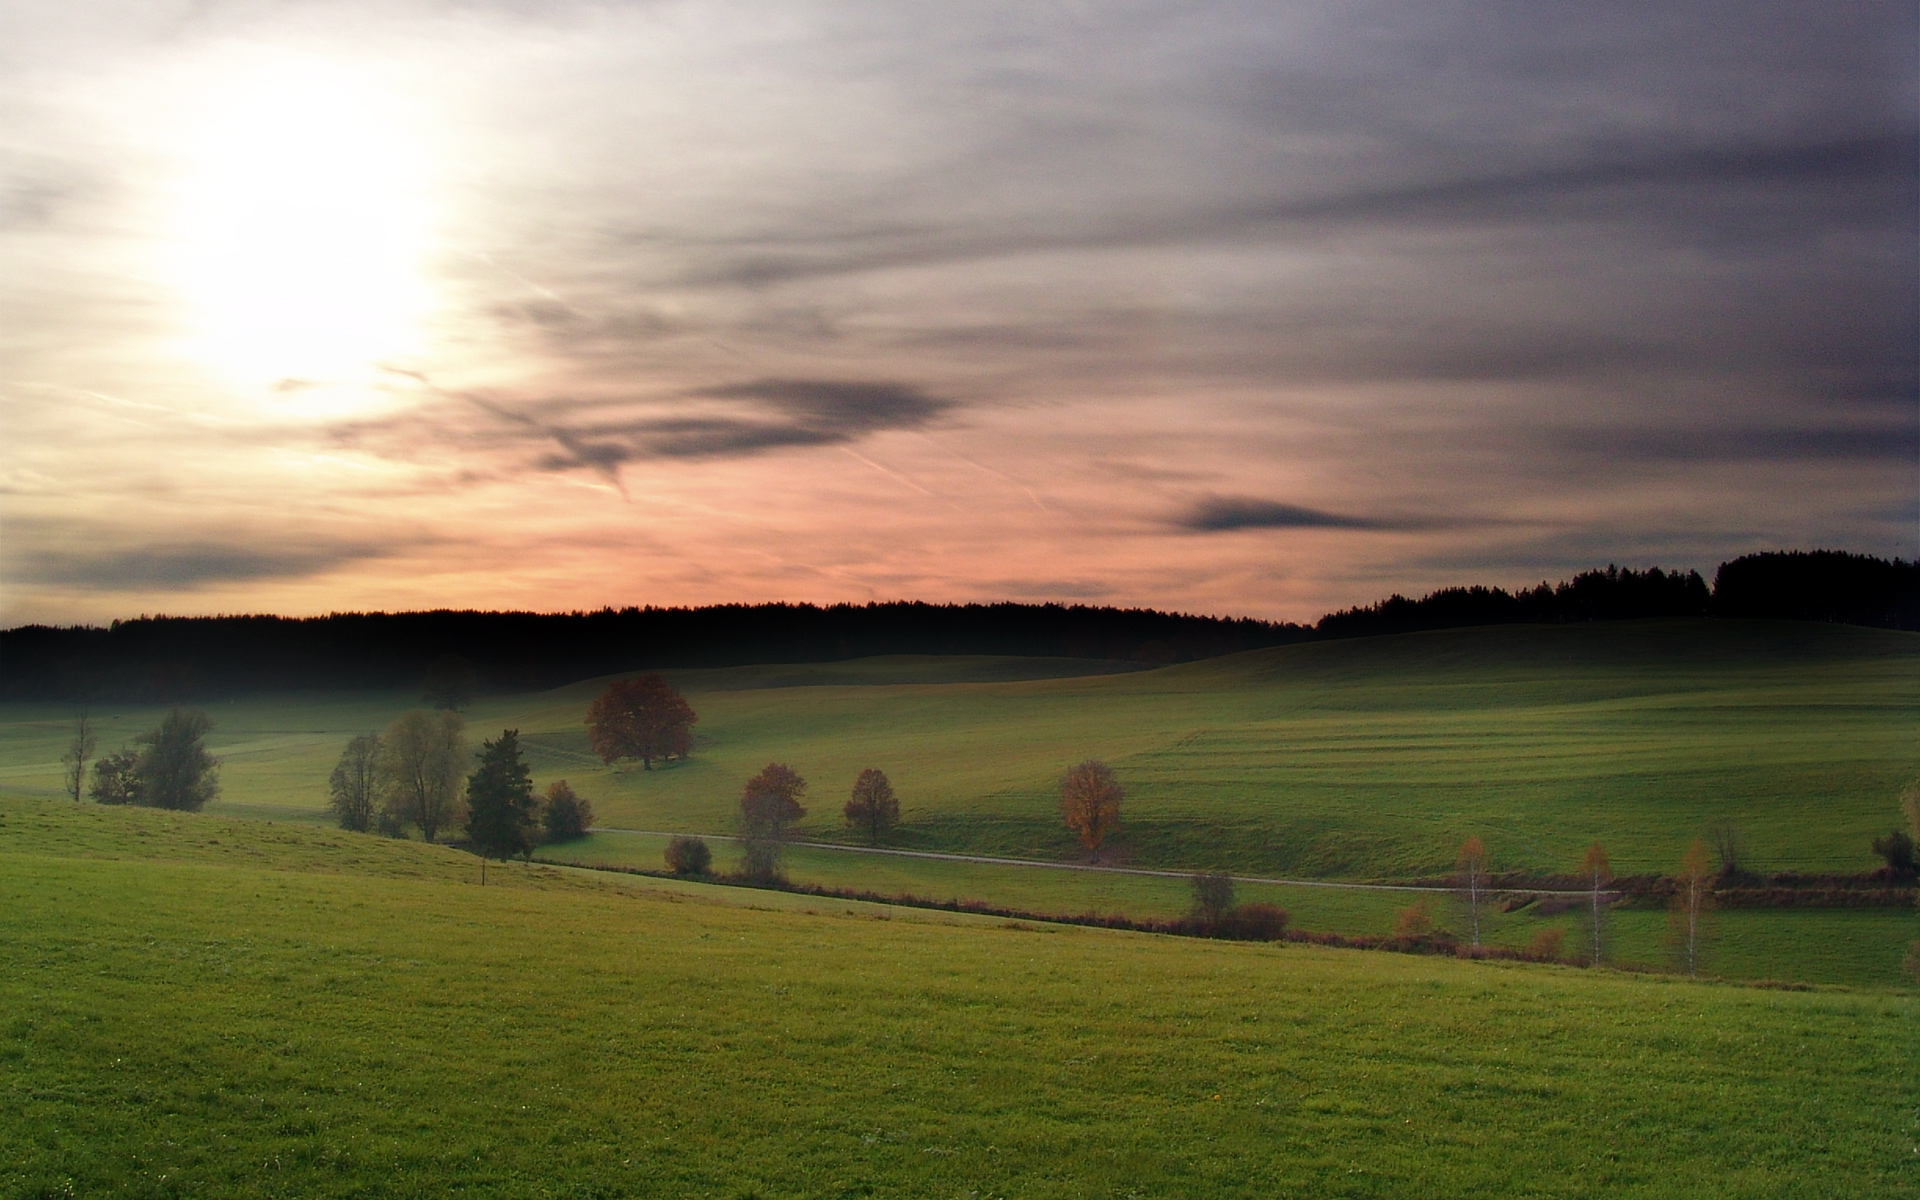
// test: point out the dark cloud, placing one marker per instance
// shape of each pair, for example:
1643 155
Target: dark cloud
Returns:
1895 444
1223 514
181 567
730 420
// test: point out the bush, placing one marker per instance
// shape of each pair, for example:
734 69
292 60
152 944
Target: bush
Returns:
1547 945
689 856
1255 922
566 816
1413 922
1897 849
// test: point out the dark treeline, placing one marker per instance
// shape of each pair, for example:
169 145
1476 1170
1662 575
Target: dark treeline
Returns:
173 658
185 658
1821 585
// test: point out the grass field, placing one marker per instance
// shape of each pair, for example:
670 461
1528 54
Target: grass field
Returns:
194 1006
1366 758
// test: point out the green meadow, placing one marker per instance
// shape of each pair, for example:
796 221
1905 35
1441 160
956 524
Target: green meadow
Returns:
203 1006
1370 758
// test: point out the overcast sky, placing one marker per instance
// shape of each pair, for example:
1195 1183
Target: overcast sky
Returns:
1256 308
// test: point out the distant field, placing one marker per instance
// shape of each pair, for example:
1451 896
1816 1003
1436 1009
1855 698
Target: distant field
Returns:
1356 759
1860 947
197 1006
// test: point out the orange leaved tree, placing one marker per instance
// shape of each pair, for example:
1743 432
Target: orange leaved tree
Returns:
1597 871
1090 802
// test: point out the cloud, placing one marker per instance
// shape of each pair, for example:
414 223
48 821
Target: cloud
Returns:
181 566
1224 514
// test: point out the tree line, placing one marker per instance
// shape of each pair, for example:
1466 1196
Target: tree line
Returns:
176 658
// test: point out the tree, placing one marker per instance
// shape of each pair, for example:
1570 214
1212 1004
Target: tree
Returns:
1471 879
422 755
501 811
116 778
565 814
642 718
1212 897
874 807
354 787
1090 803
689 856
1897 849
79 749
1597 870
769 805
1692 897
174 769
451 683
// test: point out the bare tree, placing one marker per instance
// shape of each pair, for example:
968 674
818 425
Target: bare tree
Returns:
79 750
1470 878
1212 896
1730 848
1597 871
354 787
873 807
422 763
1090 803
1692 897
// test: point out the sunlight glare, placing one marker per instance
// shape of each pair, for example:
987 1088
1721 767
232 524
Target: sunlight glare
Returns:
305 221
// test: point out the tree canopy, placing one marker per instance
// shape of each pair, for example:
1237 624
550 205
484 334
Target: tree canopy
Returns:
567 816
423 754
643 718
174 769
873 808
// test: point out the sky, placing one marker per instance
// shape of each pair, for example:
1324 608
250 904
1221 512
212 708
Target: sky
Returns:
1239 308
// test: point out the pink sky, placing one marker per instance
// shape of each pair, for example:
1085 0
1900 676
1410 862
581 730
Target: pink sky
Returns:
1256 309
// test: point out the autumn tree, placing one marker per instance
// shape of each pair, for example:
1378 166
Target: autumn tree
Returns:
354 787
1692 897
423 755
501 810
566 815
451 683
1090 803
873 808
1595 868
174 769
769 806
1413 922
643 718
1470 879
1897 850
80 748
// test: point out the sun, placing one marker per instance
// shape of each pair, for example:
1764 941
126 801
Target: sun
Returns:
303 222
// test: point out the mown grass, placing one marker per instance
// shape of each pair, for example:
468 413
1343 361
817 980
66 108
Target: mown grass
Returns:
189 1010
1368 758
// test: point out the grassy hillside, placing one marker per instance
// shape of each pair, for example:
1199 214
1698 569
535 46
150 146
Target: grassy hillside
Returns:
196 1006
1365 758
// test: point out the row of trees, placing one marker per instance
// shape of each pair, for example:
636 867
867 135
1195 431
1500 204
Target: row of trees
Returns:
415 774
166 767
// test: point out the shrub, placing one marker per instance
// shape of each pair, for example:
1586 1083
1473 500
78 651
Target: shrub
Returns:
1547 945
1413 922
689 856
566 815
1255 922
1897 849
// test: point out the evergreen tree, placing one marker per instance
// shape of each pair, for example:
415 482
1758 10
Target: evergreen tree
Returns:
501 809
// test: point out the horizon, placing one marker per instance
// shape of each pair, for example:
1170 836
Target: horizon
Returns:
1228 309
